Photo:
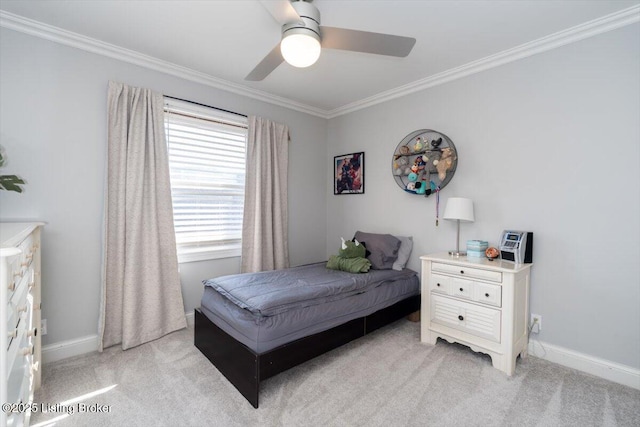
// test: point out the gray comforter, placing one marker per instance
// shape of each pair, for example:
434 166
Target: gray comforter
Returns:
271 292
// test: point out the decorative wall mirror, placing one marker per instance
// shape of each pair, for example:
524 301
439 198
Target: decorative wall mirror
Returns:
424 162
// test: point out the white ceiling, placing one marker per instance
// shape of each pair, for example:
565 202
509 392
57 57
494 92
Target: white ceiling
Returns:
226 39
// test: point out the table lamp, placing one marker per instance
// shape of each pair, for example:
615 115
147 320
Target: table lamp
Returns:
459 209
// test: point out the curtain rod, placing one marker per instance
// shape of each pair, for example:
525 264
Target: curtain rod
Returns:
205 105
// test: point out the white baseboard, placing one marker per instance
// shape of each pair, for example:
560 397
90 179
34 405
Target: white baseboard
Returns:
190 318
602 368
76 347
65 349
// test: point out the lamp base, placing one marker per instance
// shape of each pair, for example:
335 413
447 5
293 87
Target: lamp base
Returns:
457 253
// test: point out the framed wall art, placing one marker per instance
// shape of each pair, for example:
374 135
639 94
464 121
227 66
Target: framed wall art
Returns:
348 171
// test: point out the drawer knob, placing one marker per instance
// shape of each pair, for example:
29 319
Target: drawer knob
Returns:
22 308
27 351
486 295
12 287
460 317
438 285
461 271
33 332
13 333
461 290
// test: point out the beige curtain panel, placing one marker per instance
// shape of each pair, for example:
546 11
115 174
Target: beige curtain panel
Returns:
141 293
265 221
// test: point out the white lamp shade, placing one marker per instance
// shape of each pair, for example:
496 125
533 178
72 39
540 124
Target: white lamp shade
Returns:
459 208
300 49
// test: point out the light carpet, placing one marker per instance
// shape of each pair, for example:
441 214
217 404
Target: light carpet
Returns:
387 378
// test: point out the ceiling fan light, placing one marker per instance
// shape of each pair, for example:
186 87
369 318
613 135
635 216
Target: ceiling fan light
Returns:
300 49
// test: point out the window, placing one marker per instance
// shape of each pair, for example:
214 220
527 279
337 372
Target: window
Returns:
207 149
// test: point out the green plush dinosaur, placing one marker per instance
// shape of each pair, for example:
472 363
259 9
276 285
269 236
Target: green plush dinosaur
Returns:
351 258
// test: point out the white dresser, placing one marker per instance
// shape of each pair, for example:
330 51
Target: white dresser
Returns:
19 338
479 303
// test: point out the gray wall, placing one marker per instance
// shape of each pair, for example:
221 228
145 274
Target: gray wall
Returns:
53 128
548 144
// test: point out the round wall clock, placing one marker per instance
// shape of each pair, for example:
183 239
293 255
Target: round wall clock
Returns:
424 162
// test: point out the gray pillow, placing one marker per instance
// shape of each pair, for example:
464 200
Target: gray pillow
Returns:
406 245
383 249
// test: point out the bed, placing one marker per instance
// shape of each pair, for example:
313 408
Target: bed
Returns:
254 326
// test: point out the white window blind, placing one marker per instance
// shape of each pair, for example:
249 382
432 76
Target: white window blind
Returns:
207 151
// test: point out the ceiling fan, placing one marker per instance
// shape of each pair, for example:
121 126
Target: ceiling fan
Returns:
303 37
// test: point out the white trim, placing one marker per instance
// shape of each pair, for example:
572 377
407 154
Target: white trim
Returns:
79 346
601 25
65 349
580 32
58 35
602 368
191 316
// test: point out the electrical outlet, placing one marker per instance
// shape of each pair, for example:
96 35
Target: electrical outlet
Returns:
536 323
43 327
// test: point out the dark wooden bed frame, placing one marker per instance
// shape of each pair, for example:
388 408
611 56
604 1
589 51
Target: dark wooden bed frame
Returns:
245 368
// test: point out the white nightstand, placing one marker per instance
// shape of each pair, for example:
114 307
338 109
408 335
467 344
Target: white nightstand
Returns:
476 302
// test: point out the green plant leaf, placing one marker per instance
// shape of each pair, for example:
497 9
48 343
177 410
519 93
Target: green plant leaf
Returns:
11 183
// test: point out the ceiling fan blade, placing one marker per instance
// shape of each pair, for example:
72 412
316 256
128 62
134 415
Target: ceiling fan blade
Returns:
267 65
365 41
281 10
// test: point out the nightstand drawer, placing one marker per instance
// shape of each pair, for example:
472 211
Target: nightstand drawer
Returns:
484 293
440 284
479 321
488 294
468 272
462 288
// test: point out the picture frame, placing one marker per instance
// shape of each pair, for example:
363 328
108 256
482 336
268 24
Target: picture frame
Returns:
348 171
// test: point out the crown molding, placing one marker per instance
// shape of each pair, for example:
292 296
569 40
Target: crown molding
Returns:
68 38
580 32
592 28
